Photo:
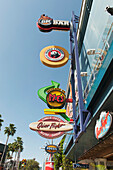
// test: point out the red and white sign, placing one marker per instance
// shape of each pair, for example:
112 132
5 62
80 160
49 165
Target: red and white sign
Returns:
47 24
49 166
50 127
54 54
103 124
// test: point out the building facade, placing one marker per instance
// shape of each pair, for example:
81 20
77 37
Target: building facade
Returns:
95 48
1 152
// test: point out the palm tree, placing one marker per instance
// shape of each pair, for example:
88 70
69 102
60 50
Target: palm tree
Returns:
11 148
1 120
18 149
10 151
10 131
15 145
8 157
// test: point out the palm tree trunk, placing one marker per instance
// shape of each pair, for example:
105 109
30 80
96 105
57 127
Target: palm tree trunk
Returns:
14 161
4 150
5 160
18 158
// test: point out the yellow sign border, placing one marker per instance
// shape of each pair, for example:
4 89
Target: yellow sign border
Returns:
55 104
54 64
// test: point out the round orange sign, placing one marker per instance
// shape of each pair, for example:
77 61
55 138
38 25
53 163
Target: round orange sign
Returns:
55 98
54 56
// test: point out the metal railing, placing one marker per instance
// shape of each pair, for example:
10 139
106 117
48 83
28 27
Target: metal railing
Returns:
101 56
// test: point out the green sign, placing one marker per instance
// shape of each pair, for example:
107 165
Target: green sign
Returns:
42 92
42 95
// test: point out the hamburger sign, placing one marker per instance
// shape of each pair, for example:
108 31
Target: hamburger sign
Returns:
50 127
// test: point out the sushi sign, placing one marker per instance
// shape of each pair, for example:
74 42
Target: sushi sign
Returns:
47 24
50 127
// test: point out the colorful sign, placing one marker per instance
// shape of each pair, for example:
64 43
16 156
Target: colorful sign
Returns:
42 92
56 98
51 149
47 24
54 56
23 162
50 127
103 124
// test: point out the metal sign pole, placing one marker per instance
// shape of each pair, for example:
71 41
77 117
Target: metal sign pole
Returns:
84 114
81 104
73 86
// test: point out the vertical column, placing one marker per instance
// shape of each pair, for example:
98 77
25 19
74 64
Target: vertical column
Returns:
73 86
81 103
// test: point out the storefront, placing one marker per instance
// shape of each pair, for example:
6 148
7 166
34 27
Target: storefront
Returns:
95 47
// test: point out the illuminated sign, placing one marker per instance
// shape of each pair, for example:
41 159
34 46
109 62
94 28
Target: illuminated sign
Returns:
103 124
50 127
47 24
54 56
56 98
51 149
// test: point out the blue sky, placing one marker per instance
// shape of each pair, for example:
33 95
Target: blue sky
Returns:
21 71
